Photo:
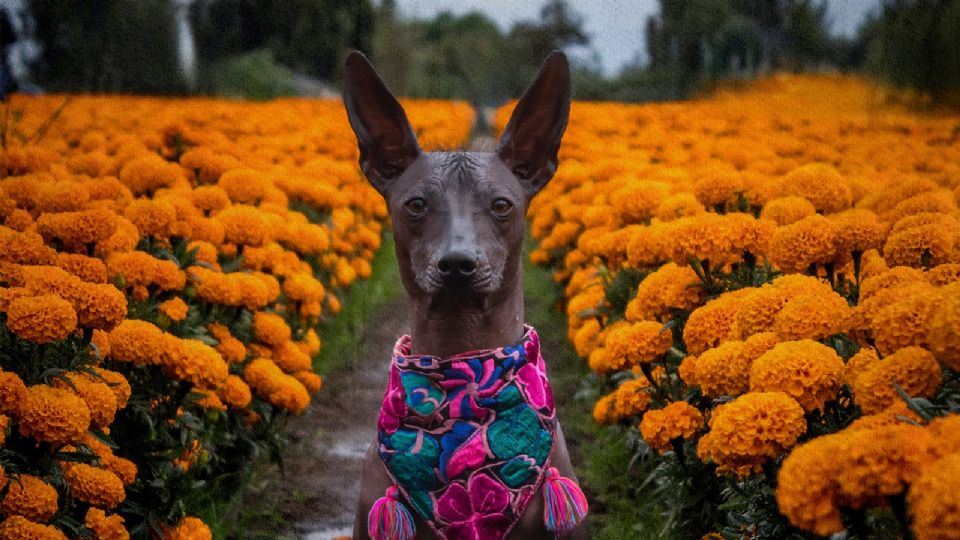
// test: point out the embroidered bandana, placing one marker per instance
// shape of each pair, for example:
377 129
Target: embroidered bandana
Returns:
467 439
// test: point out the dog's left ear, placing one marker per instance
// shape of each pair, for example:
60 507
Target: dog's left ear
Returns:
387 142
531 140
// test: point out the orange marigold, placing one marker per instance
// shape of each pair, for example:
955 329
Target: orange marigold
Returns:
175 309
53 415
943 332
905 323
30 497
638 343
807 490
813 316
105 527
310 380
235 392
714 322
750 430
95 486
914 369
12 392
19 527
41 319
190 528
98 397
270 328
787 210
820 184
244 225
795 247
933 500
808 371
678 420
922 247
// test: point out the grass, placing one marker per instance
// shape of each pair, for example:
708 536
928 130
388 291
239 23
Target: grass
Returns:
602 456
364 299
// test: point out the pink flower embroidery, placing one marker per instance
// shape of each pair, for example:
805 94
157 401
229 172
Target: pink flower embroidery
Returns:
394 405
475 513
533 377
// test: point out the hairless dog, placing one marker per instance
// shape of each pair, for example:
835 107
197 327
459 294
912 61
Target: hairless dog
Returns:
467 436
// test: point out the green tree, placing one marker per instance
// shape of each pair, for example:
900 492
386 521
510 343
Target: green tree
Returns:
106 46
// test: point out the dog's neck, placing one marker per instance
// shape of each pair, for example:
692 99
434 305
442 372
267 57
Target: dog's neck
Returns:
448 330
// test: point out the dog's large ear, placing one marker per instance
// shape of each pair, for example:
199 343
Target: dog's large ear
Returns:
387 142
531 140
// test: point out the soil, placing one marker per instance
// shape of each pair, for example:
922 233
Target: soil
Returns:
315 496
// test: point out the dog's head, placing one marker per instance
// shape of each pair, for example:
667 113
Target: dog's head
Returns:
458 217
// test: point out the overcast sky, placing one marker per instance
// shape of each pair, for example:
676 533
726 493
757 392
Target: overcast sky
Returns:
615 26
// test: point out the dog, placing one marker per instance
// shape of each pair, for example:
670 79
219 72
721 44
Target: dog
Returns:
467 435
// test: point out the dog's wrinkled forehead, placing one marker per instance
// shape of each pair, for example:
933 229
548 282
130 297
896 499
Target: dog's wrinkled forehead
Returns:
437 173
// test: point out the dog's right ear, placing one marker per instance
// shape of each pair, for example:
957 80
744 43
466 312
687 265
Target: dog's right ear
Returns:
387 142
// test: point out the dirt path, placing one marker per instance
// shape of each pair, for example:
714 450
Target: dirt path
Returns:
315 496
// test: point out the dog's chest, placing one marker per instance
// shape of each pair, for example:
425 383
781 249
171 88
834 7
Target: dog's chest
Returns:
467 439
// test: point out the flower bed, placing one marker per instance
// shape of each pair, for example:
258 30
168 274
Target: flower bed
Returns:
765 283
164 267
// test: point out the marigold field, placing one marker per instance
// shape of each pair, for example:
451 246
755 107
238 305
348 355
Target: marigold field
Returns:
766 284
164 266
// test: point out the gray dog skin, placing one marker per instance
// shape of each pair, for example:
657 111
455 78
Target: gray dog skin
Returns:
458 223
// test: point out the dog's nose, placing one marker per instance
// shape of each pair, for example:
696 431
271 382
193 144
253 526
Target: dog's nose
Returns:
458 262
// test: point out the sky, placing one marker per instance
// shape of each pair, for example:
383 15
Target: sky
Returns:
615 26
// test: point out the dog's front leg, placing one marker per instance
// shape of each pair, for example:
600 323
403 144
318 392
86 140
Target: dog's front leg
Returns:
561 460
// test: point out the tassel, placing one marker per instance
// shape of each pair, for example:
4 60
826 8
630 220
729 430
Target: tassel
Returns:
389 519
564 505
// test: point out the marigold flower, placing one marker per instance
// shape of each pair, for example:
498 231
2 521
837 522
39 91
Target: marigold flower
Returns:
53 415
943 332
933 502
244 225
189 528
856 230
276 387
677 206
155 218
795 247
270 328
859 363
93 485
78 229
670 287
812 316
888 279
678 420
303 288
98 397
922 247
230 348
30 497
750 430
290 358
105 527
724 370
713 323
820 184
807 490
17 527
897 413
89 269
310 380
150 172
808 371
787 210
12 393
234 392
136 341
914 369
944 274
195 362
26 248
688 370
41 319
206 164
882 462
587 337
905 323
636 200
174 309
638 343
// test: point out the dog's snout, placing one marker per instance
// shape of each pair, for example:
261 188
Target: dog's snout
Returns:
458 261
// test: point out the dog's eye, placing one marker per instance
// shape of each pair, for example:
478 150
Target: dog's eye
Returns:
501 207
416 206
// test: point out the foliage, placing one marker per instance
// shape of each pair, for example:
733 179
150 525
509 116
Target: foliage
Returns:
809 312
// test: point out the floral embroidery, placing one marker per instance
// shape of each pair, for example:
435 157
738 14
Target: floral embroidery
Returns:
467 439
